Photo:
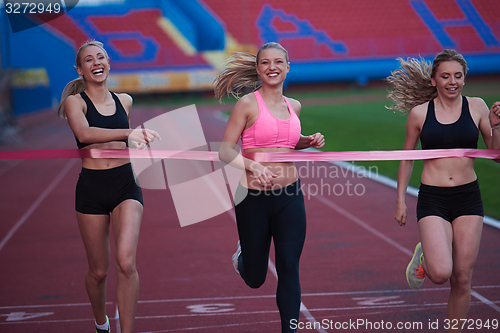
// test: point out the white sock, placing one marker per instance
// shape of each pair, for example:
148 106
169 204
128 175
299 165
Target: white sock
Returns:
104 326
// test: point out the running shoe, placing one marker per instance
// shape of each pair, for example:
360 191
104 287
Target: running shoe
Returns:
97 330
103 331
415 274
235 258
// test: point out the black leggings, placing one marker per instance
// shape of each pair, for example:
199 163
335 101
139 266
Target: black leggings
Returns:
279 214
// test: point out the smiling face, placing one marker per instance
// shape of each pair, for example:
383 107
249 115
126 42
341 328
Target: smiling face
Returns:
449 79
93 64
272 66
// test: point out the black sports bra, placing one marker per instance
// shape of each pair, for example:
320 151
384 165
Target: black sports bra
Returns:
117 120
461 134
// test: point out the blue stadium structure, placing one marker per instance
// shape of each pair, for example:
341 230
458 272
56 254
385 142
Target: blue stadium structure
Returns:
177 45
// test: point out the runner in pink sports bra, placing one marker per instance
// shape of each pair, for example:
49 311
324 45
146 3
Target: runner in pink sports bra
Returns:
269 131
269 204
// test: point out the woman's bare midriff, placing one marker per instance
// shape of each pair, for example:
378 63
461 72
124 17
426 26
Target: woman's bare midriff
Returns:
286 172
448 172
105 163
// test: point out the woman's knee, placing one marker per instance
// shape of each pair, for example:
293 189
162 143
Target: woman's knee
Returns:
98 275
288 258
461 281
439 274
254 279
255 284
125 266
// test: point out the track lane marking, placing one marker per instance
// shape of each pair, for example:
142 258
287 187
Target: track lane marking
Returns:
37 202
486 301
413 307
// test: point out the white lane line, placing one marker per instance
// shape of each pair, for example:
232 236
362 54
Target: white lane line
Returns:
37 202
45 306
339 293
227 298
486 301
117 318
363 224
411 307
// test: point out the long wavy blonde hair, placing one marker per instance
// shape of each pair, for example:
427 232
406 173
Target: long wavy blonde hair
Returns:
412 83
78 85
239 72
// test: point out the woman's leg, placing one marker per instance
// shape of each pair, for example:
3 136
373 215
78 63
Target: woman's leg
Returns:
94 230
126 222
467 232
289 232
436 235
254 231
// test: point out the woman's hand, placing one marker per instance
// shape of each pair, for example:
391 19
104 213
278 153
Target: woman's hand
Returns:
141 138
401 213
495 114
262 175
316 140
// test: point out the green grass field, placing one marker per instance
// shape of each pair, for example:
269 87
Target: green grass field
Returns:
357 119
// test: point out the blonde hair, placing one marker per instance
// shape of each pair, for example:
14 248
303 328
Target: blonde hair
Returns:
412 83
78 85
239 72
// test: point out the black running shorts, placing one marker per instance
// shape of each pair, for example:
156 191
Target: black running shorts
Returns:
98 192
449 202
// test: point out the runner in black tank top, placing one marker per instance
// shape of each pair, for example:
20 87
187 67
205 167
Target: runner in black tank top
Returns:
449 206
461 134
106 188
95 119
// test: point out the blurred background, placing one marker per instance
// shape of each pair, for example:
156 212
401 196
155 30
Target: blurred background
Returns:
164 46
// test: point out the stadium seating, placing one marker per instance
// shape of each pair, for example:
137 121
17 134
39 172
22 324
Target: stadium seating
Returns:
171 45
368 29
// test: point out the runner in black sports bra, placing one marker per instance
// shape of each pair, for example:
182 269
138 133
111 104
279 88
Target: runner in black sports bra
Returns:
101 191
95 119
461 134
449 202
449 207
106 192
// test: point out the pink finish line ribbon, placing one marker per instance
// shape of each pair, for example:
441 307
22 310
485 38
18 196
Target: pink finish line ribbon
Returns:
380 155
374 155
109 153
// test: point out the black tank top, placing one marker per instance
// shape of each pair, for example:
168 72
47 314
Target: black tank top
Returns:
461 134
118 120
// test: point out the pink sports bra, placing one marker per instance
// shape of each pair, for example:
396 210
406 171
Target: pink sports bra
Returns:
269 131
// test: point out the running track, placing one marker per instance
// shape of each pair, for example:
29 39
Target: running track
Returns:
352 268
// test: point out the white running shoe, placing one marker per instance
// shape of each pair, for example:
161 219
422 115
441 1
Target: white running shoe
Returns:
235 258
415 274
